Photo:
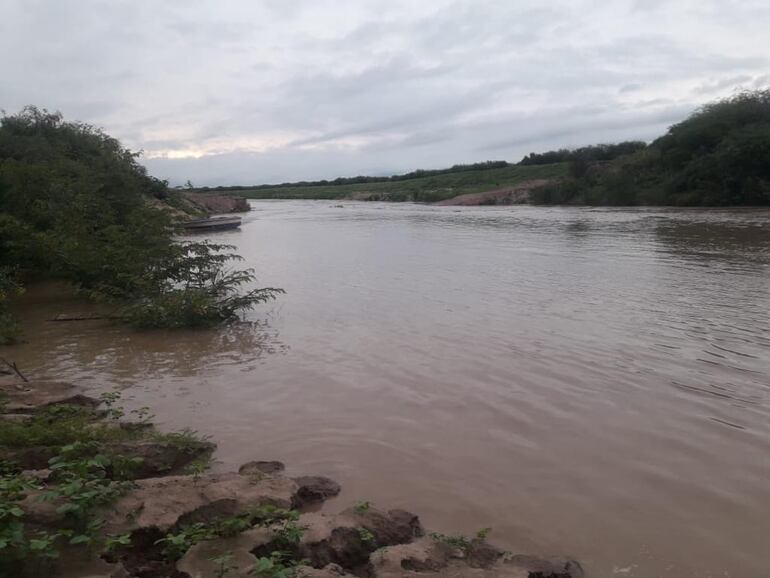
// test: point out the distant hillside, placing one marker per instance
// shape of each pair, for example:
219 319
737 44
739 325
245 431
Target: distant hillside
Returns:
419 186
718 156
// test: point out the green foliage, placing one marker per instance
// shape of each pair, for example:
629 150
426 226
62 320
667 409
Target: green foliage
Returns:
186 440
419 186
362 507
176 543
76 205
719 155
79 484
359 180
276 566
192 287
224 564
460 542
366 536
583 156
57 426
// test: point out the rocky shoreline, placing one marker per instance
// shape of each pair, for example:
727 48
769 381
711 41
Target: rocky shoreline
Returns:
170 517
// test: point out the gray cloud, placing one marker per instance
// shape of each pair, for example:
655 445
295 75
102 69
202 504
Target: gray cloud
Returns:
277 90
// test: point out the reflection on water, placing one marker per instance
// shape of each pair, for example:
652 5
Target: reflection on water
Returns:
94 349
593 382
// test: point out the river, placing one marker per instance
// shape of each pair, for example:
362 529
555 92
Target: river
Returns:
587 382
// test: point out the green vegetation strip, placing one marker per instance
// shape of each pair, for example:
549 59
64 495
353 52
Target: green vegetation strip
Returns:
427 189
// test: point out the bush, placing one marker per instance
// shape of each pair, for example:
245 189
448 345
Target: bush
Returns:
719 155
76 205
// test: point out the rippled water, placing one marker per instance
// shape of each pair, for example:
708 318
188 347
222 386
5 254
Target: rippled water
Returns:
587 382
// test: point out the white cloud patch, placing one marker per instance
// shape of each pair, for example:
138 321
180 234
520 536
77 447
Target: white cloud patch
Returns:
276 90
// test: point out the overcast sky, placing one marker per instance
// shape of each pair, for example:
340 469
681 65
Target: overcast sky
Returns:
250 91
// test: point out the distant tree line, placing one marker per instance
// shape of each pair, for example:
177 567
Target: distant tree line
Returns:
587 154
718 156
485 165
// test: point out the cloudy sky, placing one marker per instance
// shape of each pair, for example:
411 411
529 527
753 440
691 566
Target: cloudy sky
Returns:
255 91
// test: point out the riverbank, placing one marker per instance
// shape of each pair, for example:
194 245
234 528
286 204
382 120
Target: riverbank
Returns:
422 189
91 491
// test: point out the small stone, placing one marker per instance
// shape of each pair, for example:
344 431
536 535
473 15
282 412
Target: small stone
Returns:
260 467
314 489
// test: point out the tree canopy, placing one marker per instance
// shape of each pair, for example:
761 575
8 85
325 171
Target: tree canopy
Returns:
718 156
76 205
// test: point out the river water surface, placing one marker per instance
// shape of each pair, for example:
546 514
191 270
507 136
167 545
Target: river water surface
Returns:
587 382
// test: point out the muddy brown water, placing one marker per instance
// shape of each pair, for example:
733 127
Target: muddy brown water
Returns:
588 382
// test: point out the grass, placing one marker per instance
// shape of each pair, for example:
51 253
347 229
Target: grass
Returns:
423 189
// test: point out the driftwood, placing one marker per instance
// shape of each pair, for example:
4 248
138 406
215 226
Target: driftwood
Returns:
15 368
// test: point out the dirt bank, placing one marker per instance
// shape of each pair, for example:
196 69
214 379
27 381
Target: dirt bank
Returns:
75 511
215 204
515 195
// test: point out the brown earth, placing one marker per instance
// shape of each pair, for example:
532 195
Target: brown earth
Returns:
215 204
515 195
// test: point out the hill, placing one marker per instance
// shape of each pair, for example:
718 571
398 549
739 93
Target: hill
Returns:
419 186
718 156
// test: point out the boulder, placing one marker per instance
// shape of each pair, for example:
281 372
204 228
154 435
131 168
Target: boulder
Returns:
260 468
313 489
28 397
159 458
348 539
163 503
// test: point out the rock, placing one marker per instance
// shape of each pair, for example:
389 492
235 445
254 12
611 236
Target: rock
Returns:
348 539
159 457
257 468
425 558
41 475
391 528
482 555
553 567
330 571
314 489
199 562
424 555
81 563
163 503
37 394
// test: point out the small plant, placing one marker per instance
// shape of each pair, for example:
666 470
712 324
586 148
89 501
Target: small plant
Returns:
273 567
196 469
110 399
186 440
176 544
460 542
366 536
82 484
290 534
112 544
362 507
224 564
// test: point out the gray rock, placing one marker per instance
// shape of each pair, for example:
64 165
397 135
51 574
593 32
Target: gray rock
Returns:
257 468
313 489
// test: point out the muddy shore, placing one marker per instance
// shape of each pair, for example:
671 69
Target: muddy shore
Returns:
175 519
215 204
